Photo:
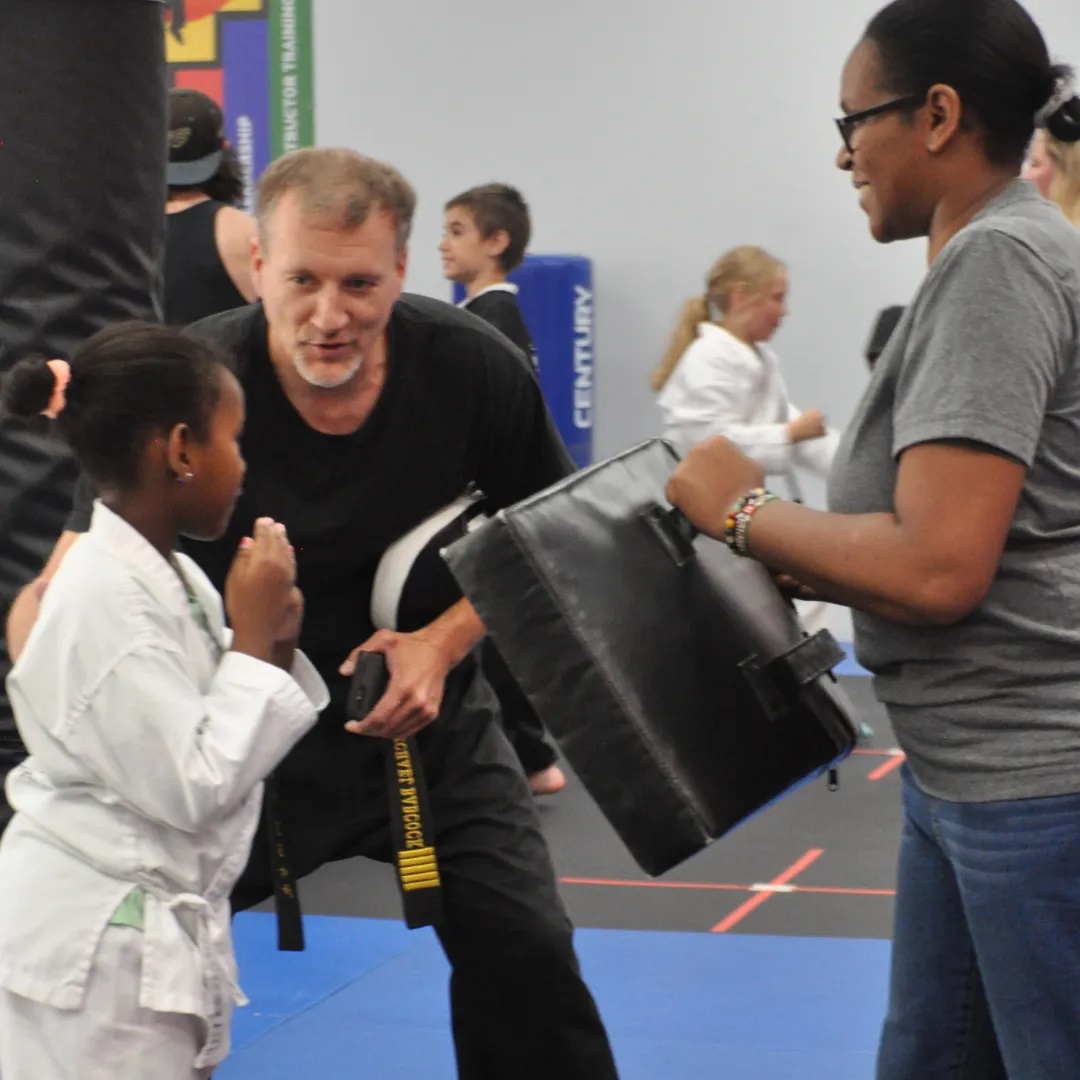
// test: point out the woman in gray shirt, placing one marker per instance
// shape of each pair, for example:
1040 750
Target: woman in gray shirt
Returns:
954 533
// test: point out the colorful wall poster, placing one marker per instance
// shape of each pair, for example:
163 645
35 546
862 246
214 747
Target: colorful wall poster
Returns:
254 58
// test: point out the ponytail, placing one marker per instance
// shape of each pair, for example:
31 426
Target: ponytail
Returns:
744 267
694 311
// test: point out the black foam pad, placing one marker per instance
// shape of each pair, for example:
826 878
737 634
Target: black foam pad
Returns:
675 677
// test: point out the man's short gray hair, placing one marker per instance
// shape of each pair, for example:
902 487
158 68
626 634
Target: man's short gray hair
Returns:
339 186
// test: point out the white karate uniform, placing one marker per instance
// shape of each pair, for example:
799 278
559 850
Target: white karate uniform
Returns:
148 746
722 386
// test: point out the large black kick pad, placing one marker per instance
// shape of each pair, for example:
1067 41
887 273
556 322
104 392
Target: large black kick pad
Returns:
675 677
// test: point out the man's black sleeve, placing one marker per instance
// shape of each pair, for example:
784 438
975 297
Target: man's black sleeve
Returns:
82 506
521 451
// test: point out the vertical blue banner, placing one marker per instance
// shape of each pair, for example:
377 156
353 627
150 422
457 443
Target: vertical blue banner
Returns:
557 300
246 65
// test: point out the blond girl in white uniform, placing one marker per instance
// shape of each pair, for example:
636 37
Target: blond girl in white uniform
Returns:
150 726
718 377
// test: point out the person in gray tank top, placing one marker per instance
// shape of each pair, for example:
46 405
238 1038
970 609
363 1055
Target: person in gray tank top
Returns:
954 534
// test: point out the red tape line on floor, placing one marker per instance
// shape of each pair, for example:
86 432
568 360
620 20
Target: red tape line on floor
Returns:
612 883
888 767
744 909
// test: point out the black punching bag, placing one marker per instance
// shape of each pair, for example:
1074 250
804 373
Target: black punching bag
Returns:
82 197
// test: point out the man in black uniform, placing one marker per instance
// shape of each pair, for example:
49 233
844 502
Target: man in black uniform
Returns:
366 412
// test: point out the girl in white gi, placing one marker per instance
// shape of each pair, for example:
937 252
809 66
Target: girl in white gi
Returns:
718 377
150 727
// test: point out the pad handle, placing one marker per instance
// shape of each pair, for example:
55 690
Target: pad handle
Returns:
674 531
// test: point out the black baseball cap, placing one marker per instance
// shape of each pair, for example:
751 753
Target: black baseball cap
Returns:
196 138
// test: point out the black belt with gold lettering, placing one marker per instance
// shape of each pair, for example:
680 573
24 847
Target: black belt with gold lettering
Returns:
290 923
413 836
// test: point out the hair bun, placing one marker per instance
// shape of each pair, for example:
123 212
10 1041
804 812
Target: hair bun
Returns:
28 387
1064 122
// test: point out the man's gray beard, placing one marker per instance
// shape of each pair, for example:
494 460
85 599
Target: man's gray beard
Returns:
340 378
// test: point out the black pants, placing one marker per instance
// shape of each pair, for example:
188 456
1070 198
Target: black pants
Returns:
520 722
520 1009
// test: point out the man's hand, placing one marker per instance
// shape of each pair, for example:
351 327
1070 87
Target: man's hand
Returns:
418 666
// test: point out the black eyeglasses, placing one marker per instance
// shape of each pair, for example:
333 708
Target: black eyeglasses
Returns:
848 124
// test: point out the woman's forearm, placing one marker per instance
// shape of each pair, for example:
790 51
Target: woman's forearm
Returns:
864 561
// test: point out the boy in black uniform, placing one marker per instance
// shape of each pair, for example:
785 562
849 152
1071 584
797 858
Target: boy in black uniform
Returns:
485 233
366 412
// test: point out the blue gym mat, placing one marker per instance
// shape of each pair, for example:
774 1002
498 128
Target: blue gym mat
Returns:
368 999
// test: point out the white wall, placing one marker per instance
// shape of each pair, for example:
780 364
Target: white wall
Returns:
647 136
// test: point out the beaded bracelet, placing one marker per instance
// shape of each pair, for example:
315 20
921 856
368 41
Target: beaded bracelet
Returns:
737 525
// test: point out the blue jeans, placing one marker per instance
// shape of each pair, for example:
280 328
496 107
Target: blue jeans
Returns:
985 980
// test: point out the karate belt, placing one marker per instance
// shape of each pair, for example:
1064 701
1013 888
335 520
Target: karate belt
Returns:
676 679
411 587
290 922
415 862
414 841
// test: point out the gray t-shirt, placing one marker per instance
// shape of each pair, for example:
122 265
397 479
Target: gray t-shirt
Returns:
989 351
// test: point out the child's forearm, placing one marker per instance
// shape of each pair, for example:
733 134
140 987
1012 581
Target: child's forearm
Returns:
23 615
283 655
24 611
